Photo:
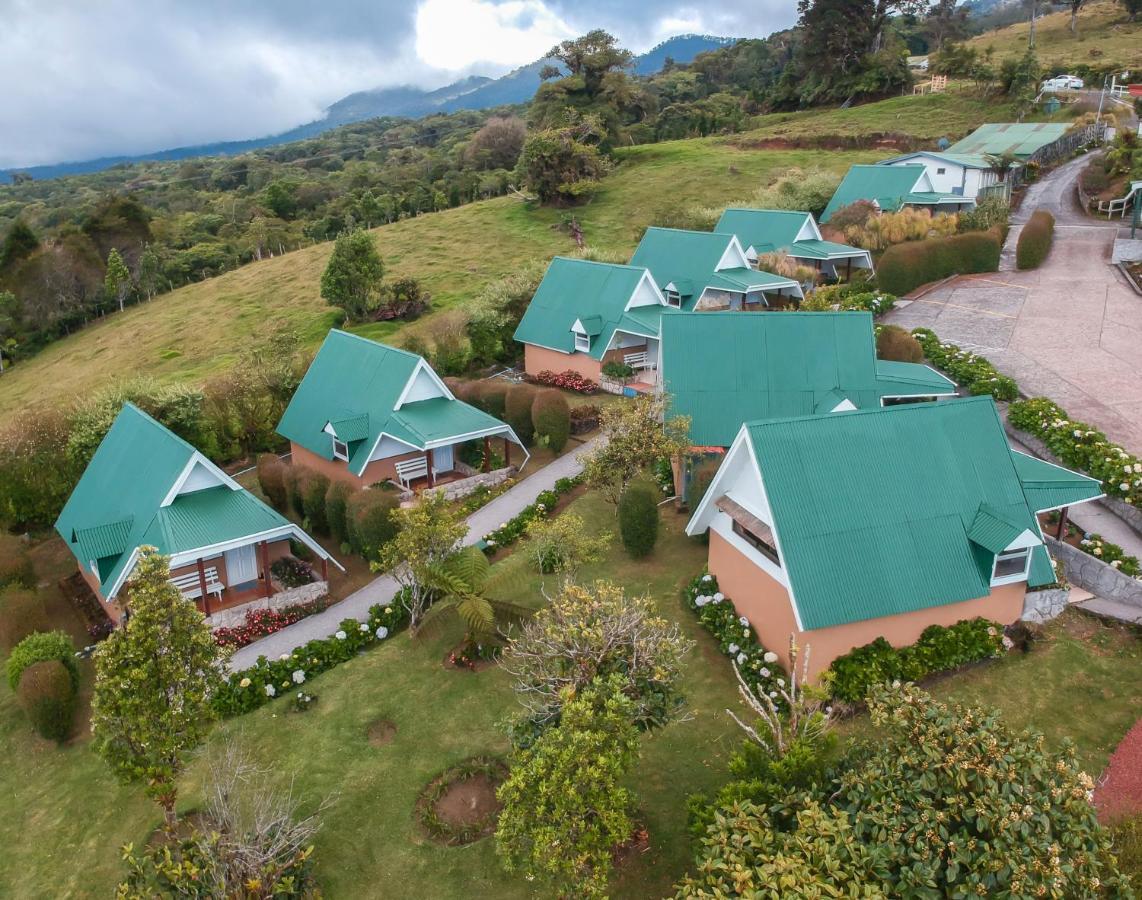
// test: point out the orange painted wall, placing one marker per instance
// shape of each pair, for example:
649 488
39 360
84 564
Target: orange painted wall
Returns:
537 359
337 470
766 604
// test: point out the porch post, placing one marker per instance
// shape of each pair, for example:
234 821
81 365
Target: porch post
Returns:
202 587
1061 531
507 452
264 552
324 570
487 454
431 474
849 269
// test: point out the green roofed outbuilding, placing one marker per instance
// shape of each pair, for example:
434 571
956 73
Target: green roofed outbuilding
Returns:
890 188
762 231
1021 139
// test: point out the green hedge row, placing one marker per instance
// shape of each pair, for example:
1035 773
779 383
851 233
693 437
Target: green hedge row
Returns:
974 372
938 649
1080 446
904 267
1035 240
512 530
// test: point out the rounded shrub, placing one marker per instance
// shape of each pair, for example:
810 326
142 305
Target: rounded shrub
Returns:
294 477
38 647
21 613
271 478
895 343
47 696
371 521
490 396
1035 240
313 491
517 411
337 511
638 519
551 416
17 569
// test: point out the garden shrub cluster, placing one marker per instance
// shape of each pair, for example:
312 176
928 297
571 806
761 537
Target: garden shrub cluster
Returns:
1079 446
617 371
512 530
938 650
734 633
988 213
47 696
517 411
1111 554
884 230
972 371
569 380
584 417
905 267
1035 240
40 647
895 343
262 622
638 519
551 417
856 295
244 691
21 613
291 572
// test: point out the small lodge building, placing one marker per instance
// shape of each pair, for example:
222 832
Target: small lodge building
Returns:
367 413
840 529
762 231
967 175
145 486
891 188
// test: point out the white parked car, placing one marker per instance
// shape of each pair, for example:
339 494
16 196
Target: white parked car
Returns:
1062 83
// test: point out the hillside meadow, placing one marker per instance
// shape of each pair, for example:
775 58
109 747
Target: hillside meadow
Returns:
204 328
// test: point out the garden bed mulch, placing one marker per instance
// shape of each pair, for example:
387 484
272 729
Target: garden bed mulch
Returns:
1118 793
460 805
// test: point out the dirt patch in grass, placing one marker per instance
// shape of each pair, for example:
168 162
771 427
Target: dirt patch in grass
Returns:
460 806
468 802
633 848
1118 793
381 732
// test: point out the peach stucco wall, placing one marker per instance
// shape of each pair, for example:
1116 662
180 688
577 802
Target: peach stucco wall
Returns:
766 604
337 470
537 359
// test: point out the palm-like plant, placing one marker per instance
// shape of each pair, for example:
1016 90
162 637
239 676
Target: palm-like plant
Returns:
461 583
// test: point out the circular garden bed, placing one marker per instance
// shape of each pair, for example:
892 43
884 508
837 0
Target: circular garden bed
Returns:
459 806
381 732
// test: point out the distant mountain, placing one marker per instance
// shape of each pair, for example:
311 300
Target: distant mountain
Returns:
474 92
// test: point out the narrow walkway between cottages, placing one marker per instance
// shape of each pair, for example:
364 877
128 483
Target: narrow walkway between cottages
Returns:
382 589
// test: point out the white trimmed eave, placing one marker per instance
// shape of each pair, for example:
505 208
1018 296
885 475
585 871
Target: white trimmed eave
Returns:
197 458
422 366
1094 481
646 278
377 443
187 557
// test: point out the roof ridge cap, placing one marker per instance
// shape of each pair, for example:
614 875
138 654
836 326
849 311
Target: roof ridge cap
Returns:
371 342
896 409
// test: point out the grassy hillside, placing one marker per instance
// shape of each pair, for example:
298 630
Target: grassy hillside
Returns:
202 328
1105 39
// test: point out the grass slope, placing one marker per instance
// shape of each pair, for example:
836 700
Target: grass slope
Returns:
1106 38
203 328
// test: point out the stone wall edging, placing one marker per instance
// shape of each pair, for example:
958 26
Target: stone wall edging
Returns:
236 615
1092 574
1043 606
456 489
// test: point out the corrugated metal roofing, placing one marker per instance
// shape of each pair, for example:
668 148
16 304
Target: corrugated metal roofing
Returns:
873 507
902 379
104 540
726 368
1049 486
207 517
355 428
441 418
814 249
776 228
888 185
992 531
744 280
1019 138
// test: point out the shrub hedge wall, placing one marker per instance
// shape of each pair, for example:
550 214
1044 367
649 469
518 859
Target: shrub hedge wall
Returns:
974 372
904 267
1035 240
638 519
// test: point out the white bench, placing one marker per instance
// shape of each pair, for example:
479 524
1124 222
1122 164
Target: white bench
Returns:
410 469
191 585
636 360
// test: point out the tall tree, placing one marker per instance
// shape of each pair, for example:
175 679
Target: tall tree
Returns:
946 21
117 282
9 323
19 243
154 678
564 164
1075 5
150 271
352 278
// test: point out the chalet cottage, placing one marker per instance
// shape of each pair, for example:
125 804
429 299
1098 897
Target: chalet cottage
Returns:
366 413
967 175
762 231
148 487
740 367
839 529
890 188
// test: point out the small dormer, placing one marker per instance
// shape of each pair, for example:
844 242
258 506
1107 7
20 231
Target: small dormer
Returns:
584 330
1008 546
734 257
345 433
677 291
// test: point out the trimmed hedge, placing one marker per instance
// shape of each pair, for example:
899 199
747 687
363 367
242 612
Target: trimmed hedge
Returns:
1035 240
938 649
271 478
974 372
337 511
294 477
895 343
517 411
370 521
48 698
490 396
1080 446
551 416
904 267
21 613
38 647
638 519
313 491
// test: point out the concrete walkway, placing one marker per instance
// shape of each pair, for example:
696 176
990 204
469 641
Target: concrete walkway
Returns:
1070 330
382 589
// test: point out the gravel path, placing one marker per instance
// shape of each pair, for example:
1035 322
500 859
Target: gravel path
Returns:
1119 790
382 589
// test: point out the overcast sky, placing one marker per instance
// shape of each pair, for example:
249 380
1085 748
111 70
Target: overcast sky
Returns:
87 78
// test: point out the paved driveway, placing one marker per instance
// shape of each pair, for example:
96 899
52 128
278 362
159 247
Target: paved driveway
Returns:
1070 330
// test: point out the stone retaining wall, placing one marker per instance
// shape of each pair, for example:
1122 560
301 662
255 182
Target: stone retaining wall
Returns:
1094 575
236 615
454 490
1043 606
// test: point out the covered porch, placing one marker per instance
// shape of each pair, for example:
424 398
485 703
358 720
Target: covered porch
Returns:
447 463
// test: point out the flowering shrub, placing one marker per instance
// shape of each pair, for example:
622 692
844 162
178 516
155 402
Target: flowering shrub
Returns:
1081 447
291 572
938 649
474 652
260 622
569 380
664 476
852 296
735 635
972 371
244 691
1109 553
512 530
302 702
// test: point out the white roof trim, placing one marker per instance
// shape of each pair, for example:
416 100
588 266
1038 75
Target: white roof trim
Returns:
377 443
195 459
422 365
577 327
1023 541
117 584
646 277
287 530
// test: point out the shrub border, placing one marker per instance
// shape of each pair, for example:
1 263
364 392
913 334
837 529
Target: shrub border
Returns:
970 370
513 529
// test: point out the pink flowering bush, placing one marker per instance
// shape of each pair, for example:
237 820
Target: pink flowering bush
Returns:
569 380
261 622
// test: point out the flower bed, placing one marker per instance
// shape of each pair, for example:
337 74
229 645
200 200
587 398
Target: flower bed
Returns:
1111 554
734 634
938 649
974 372
261 622
291 572
850 297
513 529
569 380
244 691
1081 447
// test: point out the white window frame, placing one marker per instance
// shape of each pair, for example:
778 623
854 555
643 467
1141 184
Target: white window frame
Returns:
941 170
340 448
582 342
673 298
1012 577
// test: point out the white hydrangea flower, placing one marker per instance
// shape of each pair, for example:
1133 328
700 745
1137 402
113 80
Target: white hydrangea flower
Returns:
364 626
744 622
382 633
340 635
741 658
298 677
770 657
245 682
284 656
733 648
719 597
270 690
764 673
707 577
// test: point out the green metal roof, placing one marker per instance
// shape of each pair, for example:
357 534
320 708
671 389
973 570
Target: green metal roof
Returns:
873 508
1020 139
814 249
902 379
757 228
887 185
578 289
743 280
968 160
357 383
117 505
726 368
992 530
1049 486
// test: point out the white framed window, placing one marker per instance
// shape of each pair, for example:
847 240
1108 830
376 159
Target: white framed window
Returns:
673 298
340 450
1011 565
941 171
582 342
